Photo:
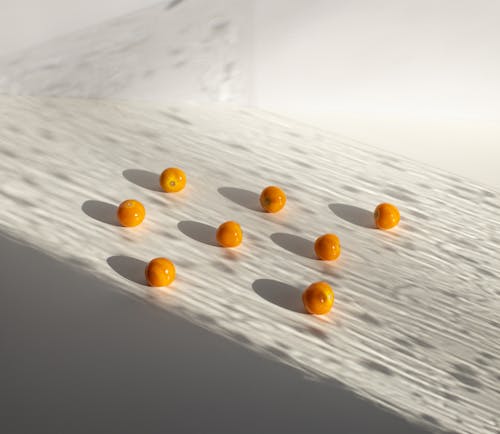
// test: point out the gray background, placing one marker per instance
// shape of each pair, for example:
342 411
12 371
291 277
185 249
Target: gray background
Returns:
79 356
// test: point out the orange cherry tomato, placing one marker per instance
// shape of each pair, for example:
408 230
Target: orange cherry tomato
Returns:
160 272
386 216
327 247
229 234
318 298
172 180
272 199
131 212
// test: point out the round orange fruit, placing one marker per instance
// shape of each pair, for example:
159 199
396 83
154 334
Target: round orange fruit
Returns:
327 247
131 213
160 272
229 234
318 298
172 180
386 216
272 199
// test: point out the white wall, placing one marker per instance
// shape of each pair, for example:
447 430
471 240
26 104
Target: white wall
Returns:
419 78
24 23
415 77
397 57
173 51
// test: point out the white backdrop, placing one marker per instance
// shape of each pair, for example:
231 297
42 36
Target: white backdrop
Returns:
419 78
24 23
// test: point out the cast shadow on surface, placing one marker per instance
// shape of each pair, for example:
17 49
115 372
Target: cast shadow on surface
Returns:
101 211
294 244
353 214
245 198
280 294
143 178
147 367
130 268
200 232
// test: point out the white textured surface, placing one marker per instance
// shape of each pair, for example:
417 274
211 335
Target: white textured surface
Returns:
417 315
415 78
24 23
175 50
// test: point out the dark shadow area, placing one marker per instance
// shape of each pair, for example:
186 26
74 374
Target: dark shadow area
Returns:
242 197
199 232
353 214
101 211
78 353
143 178
294 244
130 268
280 294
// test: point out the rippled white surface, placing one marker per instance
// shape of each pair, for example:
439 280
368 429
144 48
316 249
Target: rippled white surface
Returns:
417 315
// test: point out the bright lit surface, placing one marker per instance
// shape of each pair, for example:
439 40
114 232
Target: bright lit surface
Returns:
467 147
417 309
388 58
412 342
417 78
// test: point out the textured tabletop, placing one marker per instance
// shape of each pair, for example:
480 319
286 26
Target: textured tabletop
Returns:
416 321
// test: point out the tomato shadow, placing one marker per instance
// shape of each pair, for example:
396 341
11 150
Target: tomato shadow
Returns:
198 231
245 198
143 178
353 214
130 268
101 211
279 293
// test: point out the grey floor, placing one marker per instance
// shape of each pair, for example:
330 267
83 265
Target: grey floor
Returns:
78 356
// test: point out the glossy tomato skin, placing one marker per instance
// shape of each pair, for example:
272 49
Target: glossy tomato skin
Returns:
131 213
173 180
386 216
327 247
272 199
229 234
160 272
318 298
